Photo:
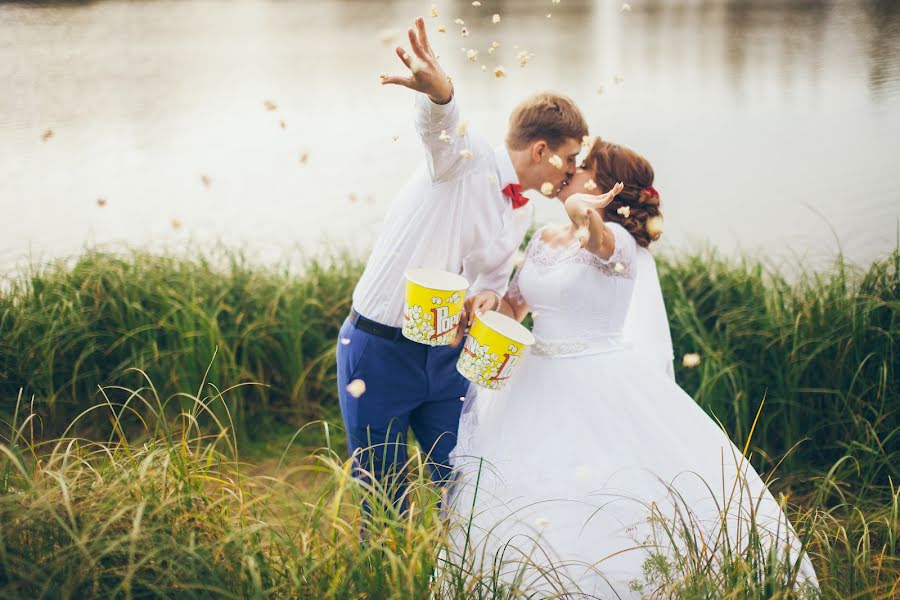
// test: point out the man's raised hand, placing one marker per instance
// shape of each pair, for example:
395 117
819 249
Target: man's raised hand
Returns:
426 76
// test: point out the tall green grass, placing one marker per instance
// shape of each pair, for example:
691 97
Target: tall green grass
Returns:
65 330
819 347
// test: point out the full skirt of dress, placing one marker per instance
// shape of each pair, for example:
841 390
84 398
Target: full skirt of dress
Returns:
577 473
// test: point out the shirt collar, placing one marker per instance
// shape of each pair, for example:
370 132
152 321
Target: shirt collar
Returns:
506 172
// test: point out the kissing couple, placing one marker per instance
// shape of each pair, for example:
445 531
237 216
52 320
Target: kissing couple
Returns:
561 479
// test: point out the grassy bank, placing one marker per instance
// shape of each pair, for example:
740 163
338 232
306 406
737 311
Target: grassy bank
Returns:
178 512
113 485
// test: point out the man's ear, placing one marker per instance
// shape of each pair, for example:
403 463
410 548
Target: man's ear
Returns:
538 150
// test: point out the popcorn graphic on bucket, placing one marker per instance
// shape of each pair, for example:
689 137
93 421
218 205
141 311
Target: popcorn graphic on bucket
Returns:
434 301
493 348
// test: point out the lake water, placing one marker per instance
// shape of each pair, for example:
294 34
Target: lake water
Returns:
773 126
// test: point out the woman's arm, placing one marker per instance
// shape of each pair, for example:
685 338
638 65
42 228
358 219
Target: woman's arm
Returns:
511 308
585 212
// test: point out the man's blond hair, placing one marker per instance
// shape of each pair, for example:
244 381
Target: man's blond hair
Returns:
546 116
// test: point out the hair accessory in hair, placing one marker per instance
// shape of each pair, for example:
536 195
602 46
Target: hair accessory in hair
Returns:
651 190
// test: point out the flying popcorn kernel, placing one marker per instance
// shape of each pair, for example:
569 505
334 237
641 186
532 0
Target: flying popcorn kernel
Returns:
499 72
467 154
47 135
304 158
626 8
523 57
549 15
619 268
472 55
556 161
442 29
461 128
459 22
547 188
476 4
356 388
345 341
270 105
176 224
206 181
625 211
484 68
101 202
691 360
556 2
434 12
590 185
618 80
655 226
587 141
495 19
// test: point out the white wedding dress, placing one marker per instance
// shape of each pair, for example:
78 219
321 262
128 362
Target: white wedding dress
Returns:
587 435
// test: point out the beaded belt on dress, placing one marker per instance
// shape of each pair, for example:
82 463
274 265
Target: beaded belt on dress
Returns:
569 348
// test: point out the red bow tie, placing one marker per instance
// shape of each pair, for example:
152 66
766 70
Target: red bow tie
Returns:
513 191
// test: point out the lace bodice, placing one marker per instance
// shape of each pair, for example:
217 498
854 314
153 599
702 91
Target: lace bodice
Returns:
575 296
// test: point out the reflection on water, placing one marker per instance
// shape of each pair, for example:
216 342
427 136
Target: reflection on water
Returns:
773 125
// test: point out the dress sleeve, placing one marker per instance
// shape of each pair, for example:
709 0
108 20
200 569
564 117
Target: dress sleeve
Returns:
448 149
625 251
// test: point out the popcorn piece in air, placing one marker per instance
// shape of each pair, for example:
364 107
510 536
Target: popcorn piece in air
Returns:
461 128
444 137
690 360
499 72
625 211
495 19
547 188
467 154
356 388
590 185
556 161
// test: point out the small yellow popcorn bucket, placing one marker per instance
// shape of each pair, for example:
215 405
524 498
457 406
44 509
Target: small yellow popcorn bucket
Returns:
493 348
434 301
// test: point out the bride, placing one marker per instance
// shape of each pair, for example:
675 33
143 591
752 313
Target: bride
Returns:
568 475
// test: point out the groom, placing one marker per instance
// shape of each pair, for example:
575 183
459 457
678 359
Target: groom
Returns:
461 212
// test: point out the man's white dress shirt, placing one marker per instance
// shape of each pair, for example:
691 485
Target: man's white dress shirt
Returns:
452 215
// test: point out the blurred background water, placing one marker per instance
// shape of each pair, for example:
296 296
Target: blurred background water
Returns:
773 125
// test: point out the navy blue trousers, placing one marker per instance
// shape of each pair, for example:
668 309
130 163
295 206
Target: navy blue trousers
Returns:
407 386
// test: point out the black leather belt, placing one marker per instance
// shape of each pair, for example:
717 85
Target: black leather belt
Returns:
373 327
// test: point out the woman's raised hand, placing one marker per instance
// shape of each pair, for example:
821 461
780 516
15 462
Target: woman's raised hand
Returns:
426 76
586 210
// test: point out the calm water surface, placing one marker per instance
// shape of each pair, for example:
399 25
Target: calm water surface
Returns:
773 126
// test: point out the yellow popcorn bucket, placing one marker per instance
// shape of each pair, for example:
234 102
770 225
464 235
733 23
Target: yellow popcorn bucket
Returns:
434 301
493 348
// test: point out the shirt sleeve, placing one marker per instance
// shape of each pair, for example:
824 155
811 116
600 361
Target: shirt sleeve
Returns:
494 264
448 150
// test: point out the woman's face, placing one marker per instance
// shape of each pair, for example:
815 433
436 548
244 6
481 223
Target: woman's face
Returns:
576 185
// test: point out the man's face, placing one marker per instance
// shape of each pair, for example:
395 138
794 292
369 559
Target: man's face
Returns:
557 175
